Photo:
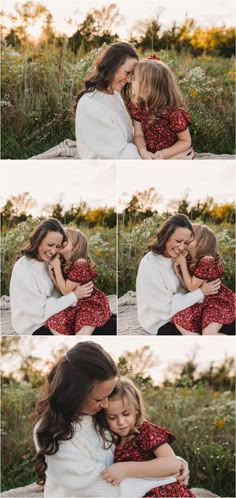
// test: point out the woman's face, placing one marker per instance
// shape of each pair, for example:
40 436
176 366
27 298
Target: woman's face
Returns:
123 74
177 242
50 245
98 397
121 416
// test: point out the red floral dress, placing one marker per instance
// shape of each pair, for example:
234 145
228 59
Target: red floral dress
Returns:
140 449
219 308
160 133
93 310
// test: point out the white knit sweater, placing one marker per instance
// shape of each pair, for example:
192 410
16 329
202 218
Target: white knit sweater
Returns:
75 469
159 293
33 296
104 128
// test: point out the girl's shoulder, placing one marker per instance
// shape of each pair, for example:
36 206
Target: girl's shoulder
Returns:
179 118
208 268
153 435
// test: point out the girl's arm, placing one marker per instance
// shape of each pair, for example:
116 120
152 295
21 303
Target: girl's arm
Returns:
179 275
183 143
164 465
140 142
65 285
191 283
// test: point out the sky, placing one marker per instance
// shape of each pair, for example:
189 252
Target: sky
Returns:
90 181
197 178
168 352
100 182
205 12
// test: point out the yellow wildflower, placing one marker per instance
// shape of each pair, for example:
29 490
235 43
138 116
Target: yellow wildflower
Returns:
194 93
220 423
230 73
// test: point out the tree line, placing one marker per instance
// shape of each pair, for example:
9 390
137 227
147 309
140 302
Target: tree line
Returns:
99 27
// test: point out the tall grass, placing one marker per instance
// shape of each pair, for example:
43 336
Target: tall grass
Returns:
39 87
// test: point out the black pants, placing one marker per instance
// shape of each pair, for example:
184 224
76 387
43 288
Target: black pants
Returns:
170 329
108 329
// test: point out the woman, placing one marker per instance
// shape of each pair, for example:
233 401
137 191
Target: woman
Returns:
32 292
103 125
159 293
70 452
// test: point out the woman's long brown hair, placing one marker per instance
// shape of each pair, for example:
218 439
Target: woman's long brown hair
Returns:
69 384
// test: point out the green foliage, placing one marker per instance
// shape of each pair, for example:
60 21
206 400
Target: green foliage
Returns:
102 246
39 87
134 240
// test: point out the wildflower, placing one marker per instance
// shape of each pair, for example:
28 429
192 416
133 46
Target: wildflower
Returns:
230 73
194 93
220 423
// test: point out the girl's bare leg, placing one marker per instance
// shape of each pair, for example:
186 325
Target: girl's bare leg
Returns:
184 331
85 330
54 332
212 329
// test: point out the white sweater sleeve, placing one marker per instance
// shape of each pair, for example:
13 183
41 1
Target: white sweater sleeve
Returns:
96 128
159 298
27 297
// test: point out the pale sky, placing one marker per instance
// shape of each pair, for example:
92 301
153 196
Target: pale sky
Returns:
90 181
173 179
205 12
168 351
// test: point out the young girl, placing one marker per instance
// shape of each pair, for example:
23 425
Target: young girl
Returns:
157 108
207 317
90 312
138 440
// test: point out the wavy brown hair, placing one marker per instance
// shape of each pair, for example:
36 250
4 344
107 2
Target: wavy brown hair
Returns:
68 386
157 87
39 233
206 246
80 247
166 229
106 66
124 389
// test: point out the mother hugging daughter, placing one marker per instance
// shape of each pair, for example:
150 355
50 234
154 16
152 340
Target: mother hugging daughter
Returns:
51 288
178 295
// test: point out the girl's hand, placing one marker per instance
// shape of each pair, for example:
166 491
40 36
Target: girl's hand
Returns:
146 155
55 262
115 473
181 258
210 288
176 268
183 475
159 155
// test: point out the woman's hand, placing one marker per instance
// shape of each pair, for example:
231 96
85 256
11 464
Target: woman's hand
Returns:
83 290
183 475
115 473
210 288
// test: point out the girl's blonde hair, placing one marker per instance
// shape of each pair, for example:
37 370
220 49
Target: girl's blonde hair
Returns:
206 245
124 389
157 87
80 246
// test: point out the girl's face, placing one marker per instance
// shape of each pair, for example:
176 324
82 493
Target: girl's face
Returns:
192 246
121 416
67 249
98 396
123 74
49 246
177 242
135 86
